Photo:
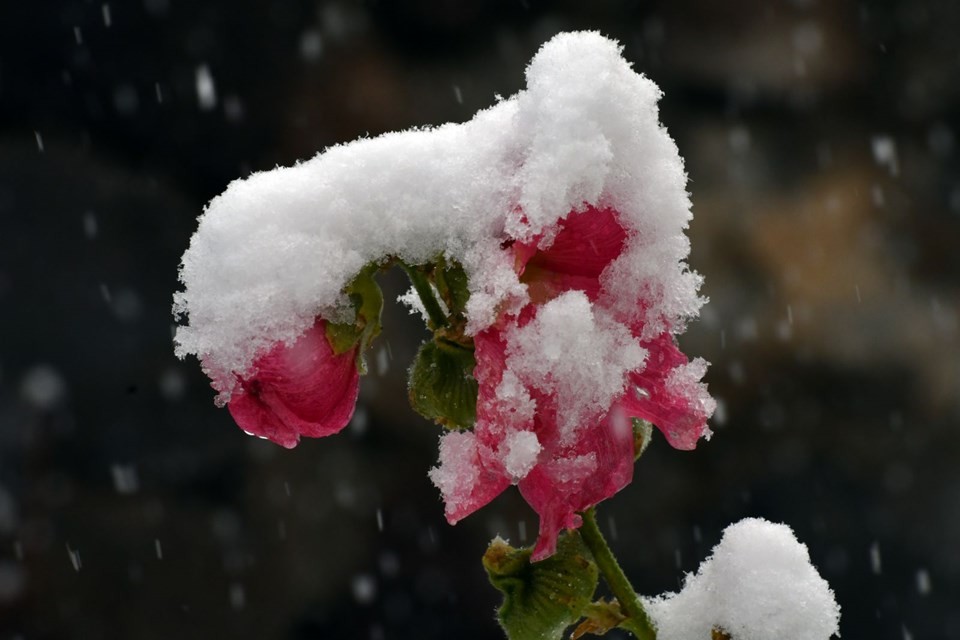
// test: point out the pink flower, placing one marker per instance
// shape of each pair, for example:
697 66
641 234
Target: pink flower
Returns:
586 243
303 389
518 438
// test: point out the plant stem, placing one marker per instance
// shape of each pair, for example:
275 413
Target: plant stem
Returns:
422 286
638 622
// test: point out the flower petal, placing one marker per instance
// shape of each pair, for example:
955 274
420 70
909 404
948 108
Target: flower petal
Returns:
668 393
587 242
465 481
299 389
571 481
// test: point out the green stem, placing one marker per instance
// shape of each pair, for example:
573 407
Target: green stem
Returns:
638 622
422 286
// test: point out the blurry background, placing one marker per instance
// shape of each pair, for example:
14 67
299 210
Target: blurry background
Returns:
821 141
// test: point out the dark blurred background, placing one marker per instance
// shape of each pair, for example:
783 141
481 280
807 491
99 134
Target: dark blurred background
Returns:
821 141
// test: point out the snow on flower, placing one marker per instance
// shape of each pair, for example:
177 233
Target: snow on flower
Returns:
566 206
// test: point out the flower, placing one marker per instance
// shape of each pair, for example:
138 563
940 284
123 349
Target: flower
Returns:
558 385
299 389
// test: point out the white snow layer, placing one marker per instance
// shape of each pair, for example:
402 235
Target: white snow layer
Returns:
276 249
577 357
758 584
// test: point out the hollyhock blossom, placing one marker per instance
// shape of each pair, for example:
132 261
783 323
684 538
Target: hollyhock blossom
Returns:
299 389
558 384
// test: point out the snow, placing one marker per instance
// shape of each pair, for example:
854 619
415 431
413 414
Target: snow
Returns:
575 355
276 249
885 153
758 584
206 89
522 449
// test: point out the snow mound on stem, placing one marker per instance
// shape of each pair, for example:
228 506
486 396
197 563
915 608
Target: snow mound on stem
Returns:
758 584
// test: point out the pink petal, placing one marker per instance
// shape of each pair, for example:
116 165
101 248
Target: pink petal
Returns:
587 242
680 414
297 390
465 482
571 480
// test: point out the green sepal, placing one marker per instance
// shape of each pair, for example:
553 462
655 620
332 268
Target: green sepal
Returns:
599 618
642 435
442 386
367 300
541 599
451 281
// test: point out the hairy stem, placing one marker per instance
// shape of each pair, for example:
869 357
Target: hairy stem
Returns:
638 622
422 286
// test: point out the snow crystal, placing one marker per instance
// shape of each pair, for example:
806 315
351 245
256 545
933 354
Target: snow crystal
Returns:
923 582
277 248
684 381
237 596
758 584
125 100
206 90
311 45
885 153
522 449
516 407
875 561
43 387
458 471
125 479
576 355
90 225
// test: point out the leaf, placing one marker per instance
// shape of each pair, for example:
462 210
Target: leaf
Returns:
451 281
367 299
541 599
442 386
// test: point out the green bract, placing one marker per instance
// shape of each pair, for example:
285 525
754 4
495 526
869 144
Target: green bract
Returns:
442 386
367 299
541 599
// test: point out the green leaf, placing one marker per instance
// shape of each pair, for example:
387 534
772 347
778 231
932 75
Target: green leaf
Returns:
442 386
541 599
367 299
642 434
451 281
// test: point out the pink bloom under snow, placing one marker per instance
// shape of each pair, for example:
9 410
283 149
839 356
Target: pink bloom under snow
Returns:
518 437
303 389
